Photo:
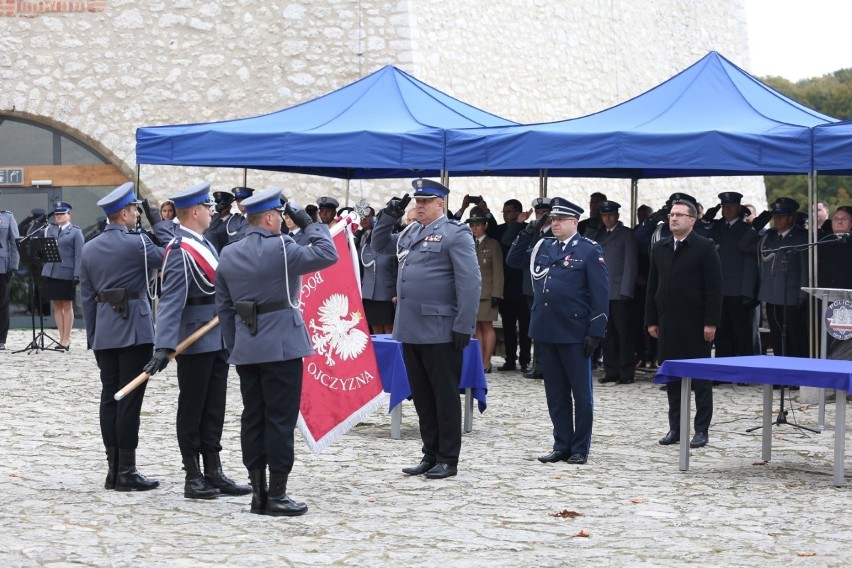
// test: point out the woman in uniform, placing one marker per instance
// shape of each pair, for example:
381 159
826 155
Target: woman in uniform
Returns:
490 257
61 278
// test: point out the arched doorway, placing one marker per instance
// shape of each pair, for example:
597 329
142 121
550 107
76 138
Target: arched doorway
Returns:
39 165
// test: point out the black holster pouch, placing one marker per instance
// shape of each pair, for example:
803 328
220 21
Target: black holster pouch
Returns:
247 310
117 299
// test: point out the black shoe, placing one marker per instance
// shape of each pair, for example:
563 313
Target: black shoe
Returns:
128 477
216 477
112 468
533 375
420 468
604 380
664 387
259 491
278 504
673 437
626 381
441 471
554 456
699 440
195 486
524 368
487 370
508 366
577 459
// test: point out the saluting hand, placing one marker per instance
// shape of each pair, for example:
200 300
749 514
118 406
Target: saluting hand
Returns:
396 206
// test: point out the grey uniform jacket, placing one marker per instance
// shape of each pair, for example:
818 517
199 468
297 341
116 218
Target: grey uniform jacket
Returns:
165 231
118 259
70 242
176 320
380 272
236 227
438 282
621 253
8 248
260 268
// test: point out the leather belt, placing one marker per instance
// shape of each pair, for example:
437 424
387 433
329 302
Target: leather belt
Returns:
130 296
272 307
201 300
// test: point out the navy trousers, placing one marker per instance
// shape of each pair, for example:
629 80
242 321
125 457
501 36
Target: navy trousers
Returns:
568 387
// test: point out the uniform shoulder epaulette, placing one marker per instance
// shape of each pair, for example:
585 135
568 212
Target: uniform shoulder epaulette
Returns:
588 240
175 244
456 222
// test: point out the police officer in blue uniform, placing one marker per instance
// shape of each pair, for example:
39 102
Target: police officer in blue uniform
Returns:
187 302
217 232
438 289
115 289
60 278
236 225
9 260
327 209
257 296
569 317
378 284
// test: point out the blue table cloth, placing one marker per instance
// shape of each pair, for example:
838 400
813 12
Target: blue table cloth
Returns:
395 377
762 369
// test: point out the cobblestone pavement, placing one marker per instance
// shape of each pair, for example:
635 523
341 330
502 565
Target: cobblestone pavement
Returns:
634 506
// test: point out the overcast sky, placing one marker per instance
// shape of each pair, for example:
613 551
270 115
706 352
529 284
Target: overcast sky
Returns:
799 39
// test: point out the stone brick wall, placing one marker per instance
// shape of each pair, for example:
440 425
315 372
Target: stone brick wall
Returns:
100 69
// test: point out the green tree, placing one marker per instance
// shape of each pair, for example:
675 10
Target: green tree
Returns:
830 94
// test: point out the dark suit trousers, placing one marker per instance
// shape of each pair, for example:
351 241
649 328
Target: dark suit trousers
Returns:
203 382
735 336
120 418
619 357
5 291
515 316
271 395
568 387
797 330
434 373
703 404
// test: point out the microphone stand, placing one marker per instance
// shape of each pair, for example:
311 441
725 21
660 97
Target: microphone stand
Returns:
786 250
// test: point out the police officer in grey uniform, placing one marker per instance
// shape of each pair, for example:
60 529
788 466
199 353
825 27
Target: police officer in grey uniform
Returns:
236 226
115 289
569 317
186 304
327 209
735 336
217 232
622 262
60 278
9 259
438 296
257 296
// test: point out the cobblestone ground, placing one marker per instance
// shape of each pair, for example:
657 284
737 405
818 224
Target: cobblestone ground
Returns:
634 506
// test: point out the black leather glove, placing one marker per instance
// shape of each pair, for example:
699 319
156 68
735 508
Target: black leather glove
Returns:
495 302
298 216
710 214
658 216
153 215
396 206
158 362
590 344
532 227
761 220
460 340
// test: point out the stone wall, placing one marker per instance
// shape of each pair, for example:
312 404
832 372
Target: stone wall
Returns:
101 72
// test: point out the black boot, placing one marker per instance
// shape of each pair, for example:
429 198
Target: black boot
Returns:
278 504
129 478
259 495
216 477
112 465
195 486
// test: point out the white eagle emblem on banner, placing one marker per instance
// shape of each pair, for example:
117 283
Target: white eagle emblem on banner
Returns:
337 336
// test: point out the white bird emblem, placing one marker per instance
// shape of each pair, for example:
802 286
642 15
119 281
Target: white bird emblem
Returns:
337 336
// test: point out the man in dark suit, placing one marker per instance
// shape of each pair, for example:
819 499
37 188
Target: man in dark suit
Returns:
569 318
186 304
683 308
115 290
438 287
257 296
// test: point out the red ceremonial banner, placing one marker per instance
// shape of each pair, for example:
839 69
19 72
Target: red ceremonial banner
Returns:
340 383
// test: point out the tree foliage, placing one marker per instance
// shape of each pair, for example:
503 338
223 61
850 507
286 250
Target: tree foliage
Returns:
832 95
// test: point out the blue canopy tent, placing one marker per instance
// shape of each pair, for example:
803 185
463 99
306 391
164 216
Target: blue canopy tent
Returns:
386 125
711 119
833 148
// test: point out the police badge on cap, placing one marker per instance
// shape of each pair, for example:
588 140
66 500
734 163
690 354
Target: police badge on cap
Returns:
561 207
426 188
